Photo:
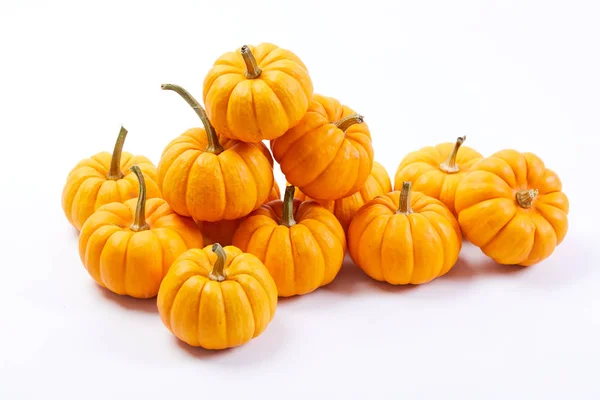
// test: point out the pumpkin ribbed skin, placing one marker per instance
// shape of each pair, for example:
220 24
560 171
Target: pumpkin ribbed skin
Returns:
222 231
513 208
302 257
214 314
322 160
404 249
261 108
134 263
89 184
378 183
425 169
211 187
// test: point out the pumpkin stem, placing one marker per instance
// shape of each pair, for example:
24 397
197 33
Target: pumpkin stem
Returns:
114 173
139 222
525 197
252 69
218 273
348 121
287 215
449 165
404 206
213 142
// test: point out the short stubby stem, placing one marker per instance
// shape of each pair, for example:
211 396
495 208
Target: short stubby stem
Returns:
287 215
253 71
114 173
450 166
346 122
525 197
218 271
213 141
404 206
139 221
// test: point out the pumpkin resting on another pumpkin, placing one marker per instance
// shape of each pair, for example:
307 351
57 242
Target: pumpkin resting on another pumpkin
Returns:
257 93
212 181
404 239
329 154
301 243
513 208
105 178
128 247
437 171
217 297
344 209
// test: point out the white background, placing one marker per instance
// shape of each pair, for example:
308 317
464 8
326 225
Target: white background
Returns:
508 74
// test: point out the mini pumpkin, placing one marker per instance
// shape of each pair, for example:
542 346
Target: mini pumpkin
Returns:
128 247
105 178
209 180
329 154
403 239
257 93
344 209
513 208
436 171
222 231
217 297
301 243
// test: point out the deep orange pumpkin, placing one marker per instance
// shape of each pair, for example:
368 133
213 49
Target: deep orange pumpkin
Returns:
329 154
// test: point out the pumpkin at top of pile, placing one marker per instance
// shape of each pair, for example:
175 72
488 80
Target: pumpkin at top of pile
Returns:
329 154
212 180
513 208
257 92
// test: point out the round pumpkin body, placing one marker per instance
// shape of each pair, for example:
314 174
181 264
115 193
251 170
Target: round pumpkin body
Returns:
329 154
105 178
513 208
378 183
222 231
131 260
217 309
403 239
209 179
257 92
301 243
436 171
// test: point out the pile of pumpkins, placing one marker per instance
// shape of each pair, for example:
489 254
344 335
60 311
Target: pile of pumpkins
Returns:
206 233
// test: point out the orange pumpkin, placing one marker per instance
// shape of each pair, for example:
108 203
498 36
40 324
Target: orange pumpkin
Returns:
222 231
128 247
329 154
301 243
437 171
403 239
210 180
257 93
344 209
513 208
105 178
217 297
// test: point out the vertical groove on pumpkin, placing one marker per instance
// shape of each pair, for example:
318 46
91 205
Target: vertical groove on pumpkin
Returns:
213 141
253 71
139 222
218 273
114 172
348 121
450 165
404 206
287 215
